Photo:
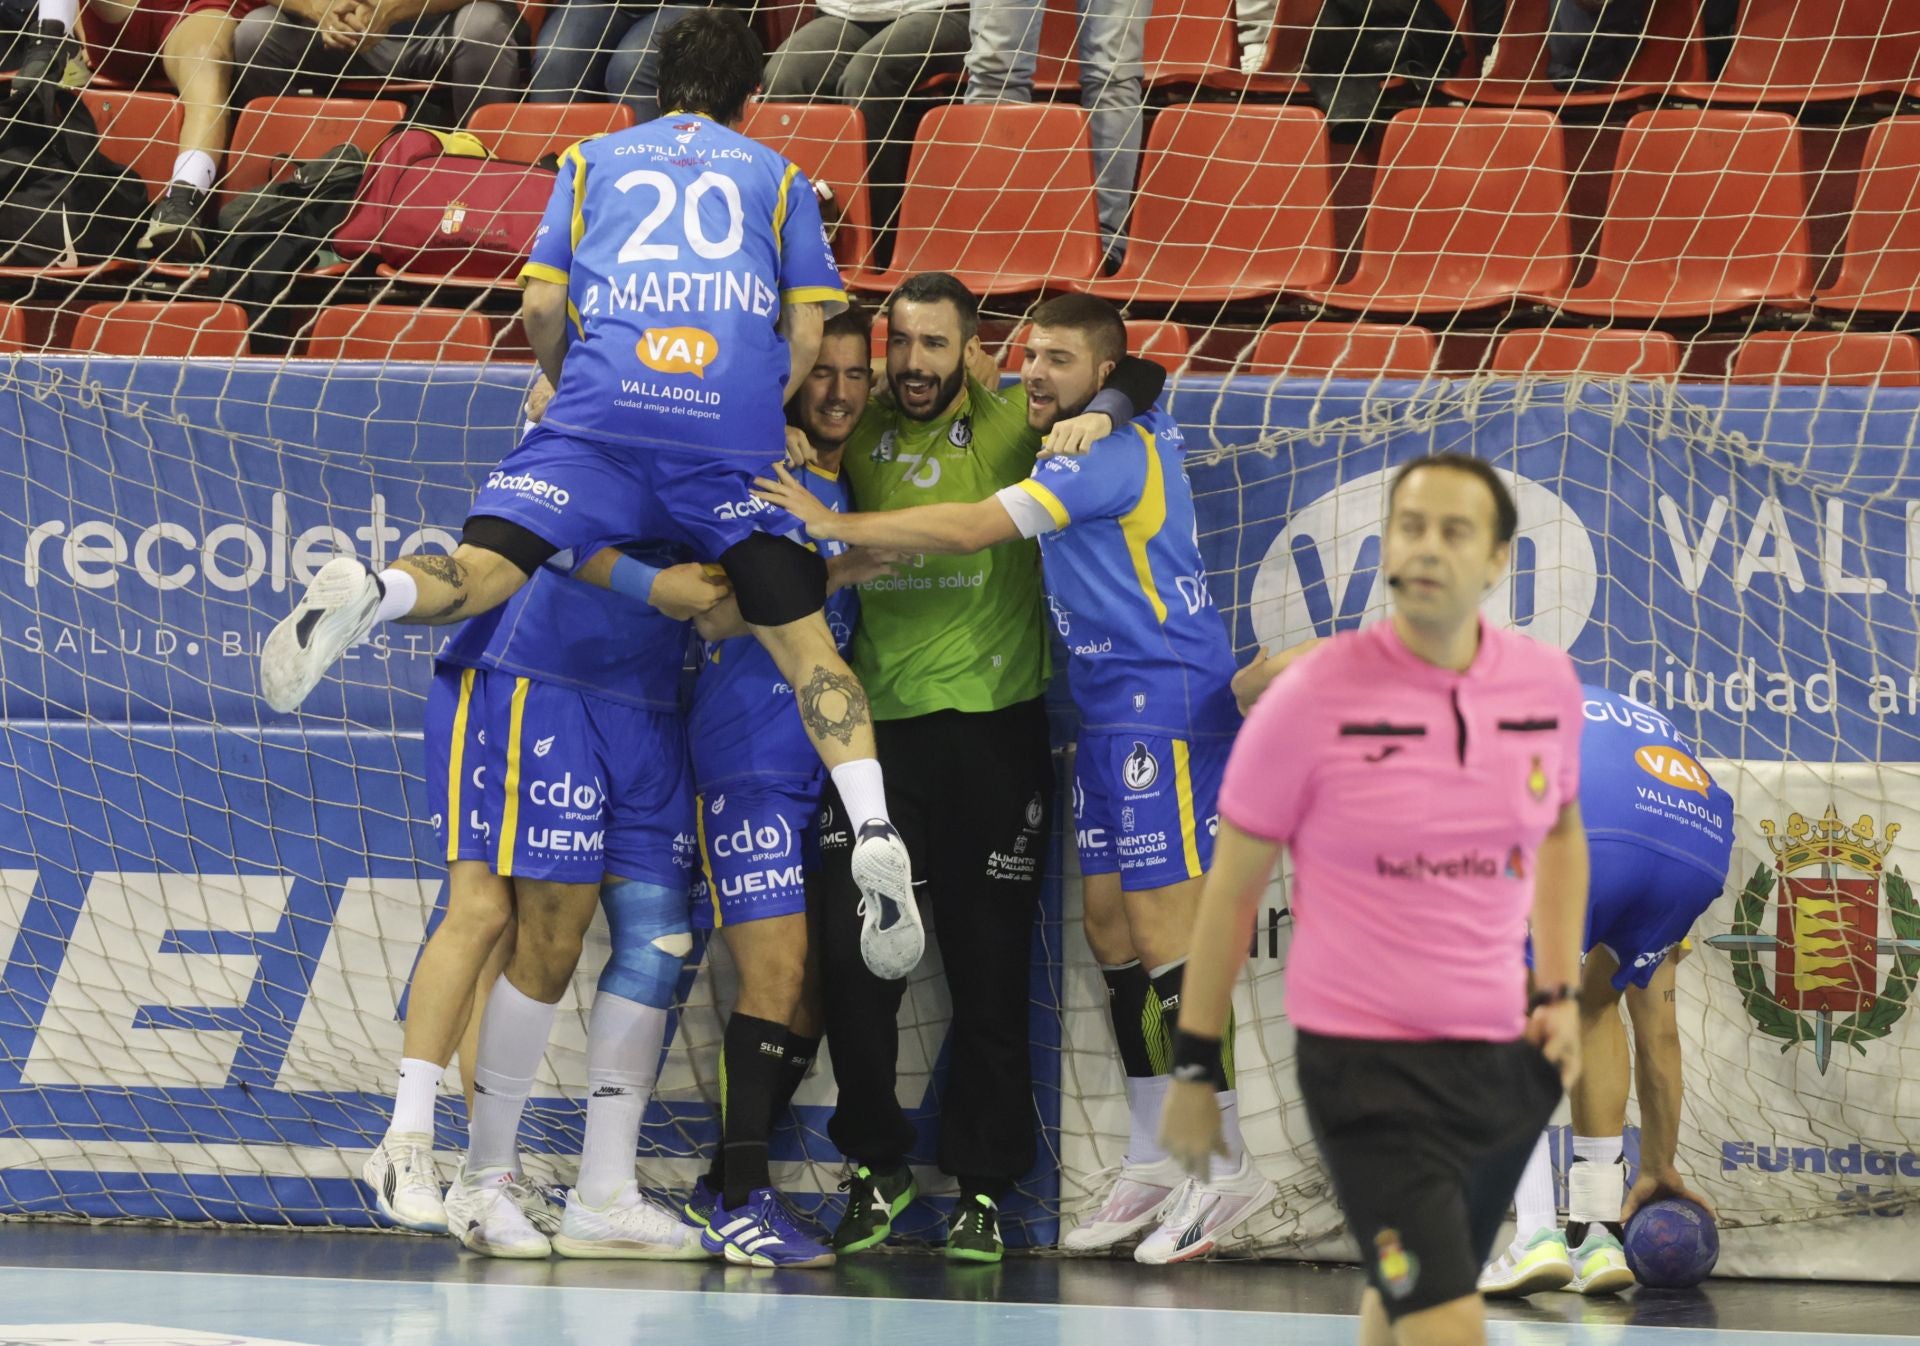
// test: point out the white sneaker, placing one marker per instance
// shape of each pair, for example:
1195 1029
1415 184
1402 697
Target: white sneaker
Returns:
1521 1269
1137 1199
1201 1214
483 1215
892 939
629 1226
332 617
1599 1264
406 1189
534 1204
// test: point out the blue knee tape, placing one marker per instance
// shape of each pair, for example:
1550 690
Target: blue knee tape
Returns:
652 936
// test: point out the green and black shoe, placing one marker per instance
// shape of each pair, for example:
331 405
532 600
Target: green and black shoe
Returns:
874 1202
974 1235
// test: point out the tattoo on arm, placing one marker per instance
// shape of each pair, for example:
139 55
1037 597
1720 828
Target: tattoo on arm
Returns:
434 567
833 705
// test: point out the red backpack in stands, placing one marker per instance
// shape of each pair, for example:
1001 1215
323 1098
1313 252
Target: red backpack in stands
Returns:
435 202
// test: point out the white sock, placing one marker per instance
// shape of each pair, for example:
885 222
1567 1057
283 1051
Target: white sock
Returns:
1598 1149
1596 1188
413 1097
398 594
513 1038
195 168
66 13
1146 1097
1534 1208
623 1061
1230 1135
861 790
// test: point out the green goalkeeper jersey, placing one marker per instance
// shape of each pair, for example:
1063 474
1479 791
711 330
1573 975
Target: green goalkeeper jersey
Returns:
949 632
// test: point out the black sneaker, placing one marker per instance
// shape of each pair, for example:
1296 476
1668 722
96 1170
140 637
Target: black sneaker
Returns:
52 58
173 224
874 1202
974 1234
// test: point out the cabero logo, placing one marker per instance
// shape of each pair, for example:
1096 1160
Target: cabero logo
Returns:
1826 945
678 350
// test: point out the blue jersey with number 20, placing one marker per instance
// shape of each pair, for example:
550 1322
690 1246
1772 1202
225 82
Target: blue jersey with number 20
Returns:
678 241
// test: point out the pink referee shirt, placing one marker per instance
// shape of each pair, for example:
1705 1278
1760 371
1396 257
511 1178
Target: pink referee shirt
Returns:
1414 800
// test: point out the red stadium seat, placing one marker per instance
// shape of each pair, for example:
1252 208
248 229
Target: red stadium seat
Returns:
1186 41
1670 52
1167 344
272 133
1705 215
397 333
1805 51
138 130
1001 196
1468 211
1880 259
829 142
1560 352
1887 358
177 329
13 329
1234 203
1361 350
525 133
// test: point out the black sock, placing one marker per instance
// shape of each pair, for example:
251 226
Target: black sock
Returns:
753 1059
1128 992
1164 1014
1577 1231
800 1055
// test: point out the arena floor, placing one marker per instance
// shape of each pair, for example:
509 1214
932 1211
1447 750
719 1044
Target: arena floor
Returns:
179 1287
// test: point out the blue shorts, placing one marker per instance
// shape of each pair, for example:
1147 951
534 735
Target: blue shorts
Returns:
1641 902
457 777
756 846
1146 807
571 492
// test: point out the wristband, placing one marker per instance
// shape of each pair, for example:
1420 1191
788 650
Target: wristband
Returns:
632 578
1553 995
1196 1059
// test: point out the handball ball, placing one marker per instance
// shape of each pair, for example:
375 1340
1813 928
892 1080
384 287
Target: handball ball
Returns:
1672 1244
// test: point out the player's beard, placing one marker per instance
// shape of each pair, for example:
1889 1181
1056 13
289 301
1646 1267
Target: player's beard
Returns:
943 396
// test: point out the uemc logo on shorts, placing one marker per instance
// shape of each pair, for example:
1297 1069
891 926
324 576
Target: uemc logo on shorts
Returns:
1472 865
525 483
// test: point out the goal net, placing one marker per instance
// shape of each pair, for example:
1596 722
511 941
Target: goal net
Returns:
1662 285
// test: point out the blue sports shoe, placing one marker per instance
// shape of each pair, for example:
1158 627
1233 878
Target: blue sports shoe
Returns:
762 1233
697 1210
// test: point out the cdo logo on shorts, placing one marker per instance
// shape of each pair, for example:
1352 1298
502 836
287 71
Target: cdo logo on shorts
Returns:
1340 587
1141 769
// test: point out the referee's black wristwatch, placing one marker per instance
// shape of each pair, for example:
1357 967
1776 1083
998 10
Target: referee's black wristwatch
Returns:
1553 995
1196 1059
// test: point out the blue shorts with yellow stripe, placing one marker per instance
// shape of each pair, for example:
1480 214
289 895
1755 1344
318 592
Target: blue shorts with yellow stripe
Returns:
571 788
757 842
1145 806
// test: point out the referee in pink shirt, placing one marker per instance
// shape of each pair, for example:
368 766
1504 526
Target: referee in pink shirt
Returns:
1424 773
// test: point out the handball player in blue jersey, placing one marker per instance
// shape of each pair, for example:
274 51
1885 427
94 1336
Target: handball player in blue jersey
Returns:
675 296
1149 669
1660 837
758 792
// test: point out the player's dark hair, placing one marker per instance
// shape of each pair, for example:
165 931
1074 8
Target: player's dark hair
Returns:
937 287
1506 516
710 63
1092 317
855 321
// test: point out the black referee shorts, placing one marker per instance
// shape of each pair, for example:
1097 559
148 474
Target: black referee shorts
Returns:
1425 1143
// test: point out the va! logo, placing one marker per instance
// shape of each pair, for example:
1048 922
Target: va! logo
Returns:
1827 878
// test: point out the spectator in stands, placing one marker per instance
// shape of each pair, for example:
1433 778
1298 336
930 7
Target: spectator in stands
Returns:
1000 62
596 48
1590 43
472 49
873 54
1718 20
191 43
1358 45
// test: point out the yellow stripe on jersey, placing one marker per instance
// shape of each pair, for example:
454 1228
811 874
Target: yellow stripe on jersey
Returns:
814 294
1141 524
510 811
780 212
579 194
456 763
700 839
541 271
1183 792
1055 510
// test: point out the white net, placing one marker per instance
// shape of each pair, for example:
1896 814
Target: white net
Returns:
1664 280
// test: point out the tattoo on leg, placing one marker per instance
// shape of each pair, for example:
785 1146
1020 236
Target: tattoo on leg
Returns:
441 570
833 705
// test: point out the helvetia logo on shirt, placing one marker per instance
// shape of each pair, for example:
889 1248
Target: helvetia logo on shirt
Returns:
1141 769
1472 865
678 350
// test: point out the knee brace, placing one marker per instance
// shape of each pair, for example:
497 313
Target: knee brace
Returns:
775 579
652 936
